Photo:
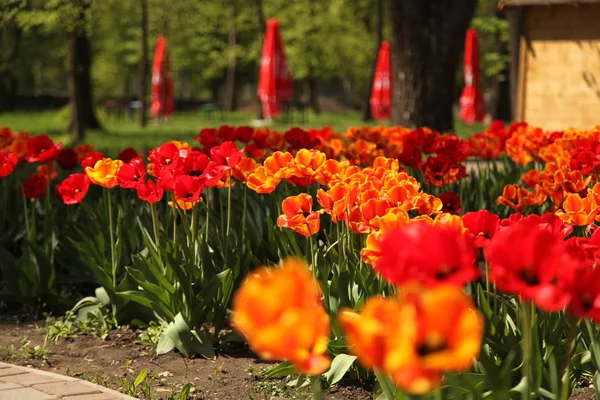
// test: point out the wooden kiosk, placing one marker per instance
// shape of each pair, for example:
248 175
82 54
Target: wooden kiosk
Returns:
555 62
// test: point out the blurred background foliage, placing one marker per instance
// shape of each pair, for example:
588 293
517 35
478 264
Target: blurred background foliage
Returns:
333 40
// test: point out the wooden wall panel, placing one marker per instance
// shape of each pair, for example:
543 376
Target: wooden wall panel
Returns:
560 66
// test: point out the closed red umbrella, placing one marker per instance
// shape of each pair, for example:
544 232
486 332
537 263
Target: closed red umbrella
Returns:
472 105
381 91
162 86
275 84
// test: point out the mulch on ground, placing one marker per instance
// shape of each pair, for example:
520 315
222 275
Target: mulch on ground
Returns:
234 375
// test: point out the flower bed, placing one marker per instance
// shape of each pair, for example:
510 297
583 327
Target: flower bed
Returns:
394 263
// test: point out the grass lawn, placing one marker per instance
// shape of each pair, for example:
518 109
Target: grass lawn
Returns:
118 134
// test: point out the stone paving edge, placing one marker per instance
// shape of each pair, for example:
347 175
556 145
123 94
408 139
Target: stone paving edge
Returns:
27 371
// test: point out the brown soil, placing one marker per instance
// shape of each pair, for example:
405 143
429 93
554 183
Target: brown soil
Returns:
234 375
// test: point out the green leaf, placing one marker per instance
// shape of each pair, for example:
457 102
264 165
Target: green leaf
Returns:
280 370
178 335
339 366
140 378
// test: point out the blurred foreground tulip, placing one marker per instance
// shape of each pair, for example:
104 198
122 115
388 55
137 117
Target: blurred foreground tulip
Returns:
416 337
279 310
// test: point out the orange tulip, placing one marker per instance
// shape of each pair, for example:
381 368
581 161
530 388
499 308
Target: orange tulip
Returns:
578 211
47 171
298 215
519 199
279 165
104 172
260 182
279 310
394 218
334 201
19 145
183 205
84 150
574 182
416 337
308 162
243 169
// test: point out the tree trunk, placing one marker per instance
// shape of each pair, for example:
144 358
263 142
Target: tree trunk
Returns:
262 23
313 90
312 78
230 104
501 107
10 38
144 66
83 115
427 41
379 38
76 87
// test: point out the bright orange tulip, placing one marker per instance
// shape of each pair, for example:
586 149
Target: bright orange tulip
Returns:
298 215
519 199
578 211
308 162
104 172
279 165
279 310
416 337
260 182
243 169
334 201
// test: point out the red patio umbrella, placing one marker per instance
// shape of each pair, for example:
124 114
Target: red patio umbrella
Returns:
381 91
162 86
472 106
275 84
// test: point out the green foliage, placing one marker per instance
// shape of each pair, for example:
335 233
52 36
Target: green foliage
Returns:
94 323
493 38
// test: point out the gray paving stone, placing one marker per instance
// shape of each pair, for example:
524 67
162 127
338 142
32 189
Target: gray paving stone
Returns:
25 394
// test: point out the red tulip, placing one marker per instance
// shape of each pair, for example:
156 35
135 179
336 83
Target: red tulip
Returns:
35 187
150 191
91 160
226 154
428 254
450 202
130 174
128 154
73 189
482 226
189 188
532 262
8 162
67 159
41 148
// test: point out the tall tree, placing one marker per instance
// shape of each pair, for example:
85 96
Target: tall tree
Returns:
427 40
73 19
143 85
83 115
311 78
10 38
378 38
230 103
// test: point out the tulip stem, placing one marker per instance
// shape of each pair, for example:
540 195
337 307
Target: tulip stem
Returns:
228 211
315 384
155 225
113 263
26 213
527 329
244 213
